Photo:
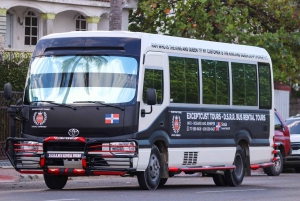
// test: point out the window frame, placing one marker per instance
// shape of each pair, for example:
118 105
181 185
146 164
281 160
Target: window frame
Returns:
80 18
30 26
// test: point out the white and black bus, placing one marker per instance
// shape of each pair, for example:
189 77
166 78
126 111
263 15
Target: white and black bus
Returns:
145 105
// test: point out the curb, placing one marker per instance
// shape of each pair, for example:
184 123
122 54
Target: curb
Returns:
30 177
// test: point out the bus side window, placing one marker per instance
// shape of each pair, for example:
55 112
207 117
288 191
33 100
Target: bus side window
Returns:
153 79
215 82
244 84
184 80
265 90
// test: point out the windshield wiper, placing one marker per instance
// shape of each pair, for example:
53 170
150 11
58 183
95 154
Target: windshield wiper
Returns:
101 103
54 103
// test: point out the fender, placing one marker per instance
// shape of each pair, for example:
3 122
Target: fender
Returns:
243 135
159 135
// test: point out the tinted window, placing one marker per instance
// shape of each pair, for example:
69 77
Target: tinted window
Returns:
153 79
265 92
215 82
244 88
294 126
184 80
277 122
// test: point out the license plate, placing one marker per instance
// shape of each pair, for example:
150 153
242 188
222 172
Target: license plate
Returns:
294 152
65 155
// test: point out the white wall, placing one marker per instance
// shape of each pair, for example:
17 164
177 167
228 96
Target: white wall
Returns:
282 102
65 21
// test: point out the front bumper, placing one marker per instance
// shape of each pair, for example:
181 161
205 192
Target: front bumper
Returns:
293 160
72 156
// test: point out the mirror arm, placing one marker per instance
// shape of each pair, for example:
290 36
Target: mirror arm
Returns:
143 112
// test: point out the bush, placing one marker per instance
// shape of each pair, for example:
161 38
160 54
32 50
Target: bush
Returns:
13 69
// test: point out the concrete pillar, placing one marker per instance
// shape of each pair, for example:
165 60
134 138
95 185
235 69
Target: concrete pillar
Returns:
92 23
2 28
47 23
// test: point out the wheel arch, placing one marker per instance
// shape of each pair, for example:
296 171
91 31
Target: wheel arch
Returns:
161 140
243 139
281 148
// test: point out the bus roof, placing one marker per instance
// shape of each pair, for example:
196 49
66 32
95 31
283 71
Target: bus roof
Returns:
177 45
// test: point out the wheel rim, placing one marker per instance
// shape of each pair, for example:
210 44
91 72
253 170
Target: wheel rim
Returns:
277 165
238 162
154 167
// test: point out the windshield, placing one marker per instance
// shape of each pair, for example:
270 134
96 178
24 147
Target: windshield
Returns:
294 126
68 79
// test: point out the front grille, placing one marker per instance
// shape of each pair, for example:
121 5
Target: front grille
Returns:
64 146
295 146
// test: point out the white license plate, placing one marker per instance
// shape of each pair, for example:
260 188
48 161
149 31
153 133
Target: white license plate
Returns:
56 155
294 152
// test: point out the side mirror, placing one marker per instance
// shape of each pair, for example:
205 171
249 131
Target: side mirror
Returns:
151 100
7 91
278 127
151 97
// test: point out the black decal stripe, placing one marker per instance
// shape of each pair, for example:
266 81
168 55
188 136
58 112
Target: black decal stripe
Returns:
248 129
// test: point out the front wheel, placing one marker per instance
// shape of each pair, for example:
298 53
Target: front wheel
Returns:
162 182
55 181
276 169
235 177
150 178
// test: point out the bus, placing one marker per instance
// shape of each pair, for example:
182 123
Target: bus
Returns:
143 105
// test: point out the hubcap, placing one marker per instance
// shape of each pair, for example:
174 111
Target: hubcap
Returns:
154 167
277 165
239 166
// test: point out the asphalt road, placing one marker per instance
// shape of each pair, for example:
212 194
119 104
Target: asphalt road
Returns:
257 187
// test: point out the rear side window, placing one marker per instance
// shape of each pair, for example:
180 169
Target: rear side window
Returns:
265 92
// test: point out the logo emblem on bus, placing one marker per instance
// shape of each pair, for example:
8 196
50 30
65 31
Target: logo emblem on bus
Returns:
39 118
176 123
73 132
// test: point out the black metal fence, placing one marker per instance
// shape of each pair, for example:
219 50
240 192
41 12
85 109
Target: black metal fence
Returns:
4 121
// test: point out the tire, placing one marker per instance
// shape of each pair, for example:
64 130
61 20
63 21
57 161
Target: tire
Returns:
55 181
162 182
219 180
235 177
297 170
276 169
150 178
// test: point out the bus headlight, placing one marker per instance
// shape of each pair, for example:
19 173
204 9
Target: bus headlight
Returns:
127 148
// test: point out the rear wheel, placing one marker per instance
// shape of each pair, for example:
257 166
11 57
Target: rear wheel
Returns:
55 181
276 169
150 178
235 177
219 180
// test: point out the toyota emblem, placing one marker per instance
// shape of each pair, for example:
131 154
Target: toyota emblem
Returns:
73 132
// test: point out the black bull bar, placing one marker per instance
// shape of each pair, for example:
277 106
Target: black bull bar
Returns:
92 157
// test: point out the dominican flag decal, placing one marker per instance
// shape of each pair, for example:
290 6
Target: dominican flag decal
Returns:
218 126
112 118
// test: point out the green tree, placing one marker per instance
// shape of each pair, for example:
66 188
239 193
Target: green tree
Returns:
271 24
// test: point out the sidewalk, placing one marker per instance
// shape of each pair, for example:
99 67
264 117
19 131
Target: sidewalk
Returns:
9 174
